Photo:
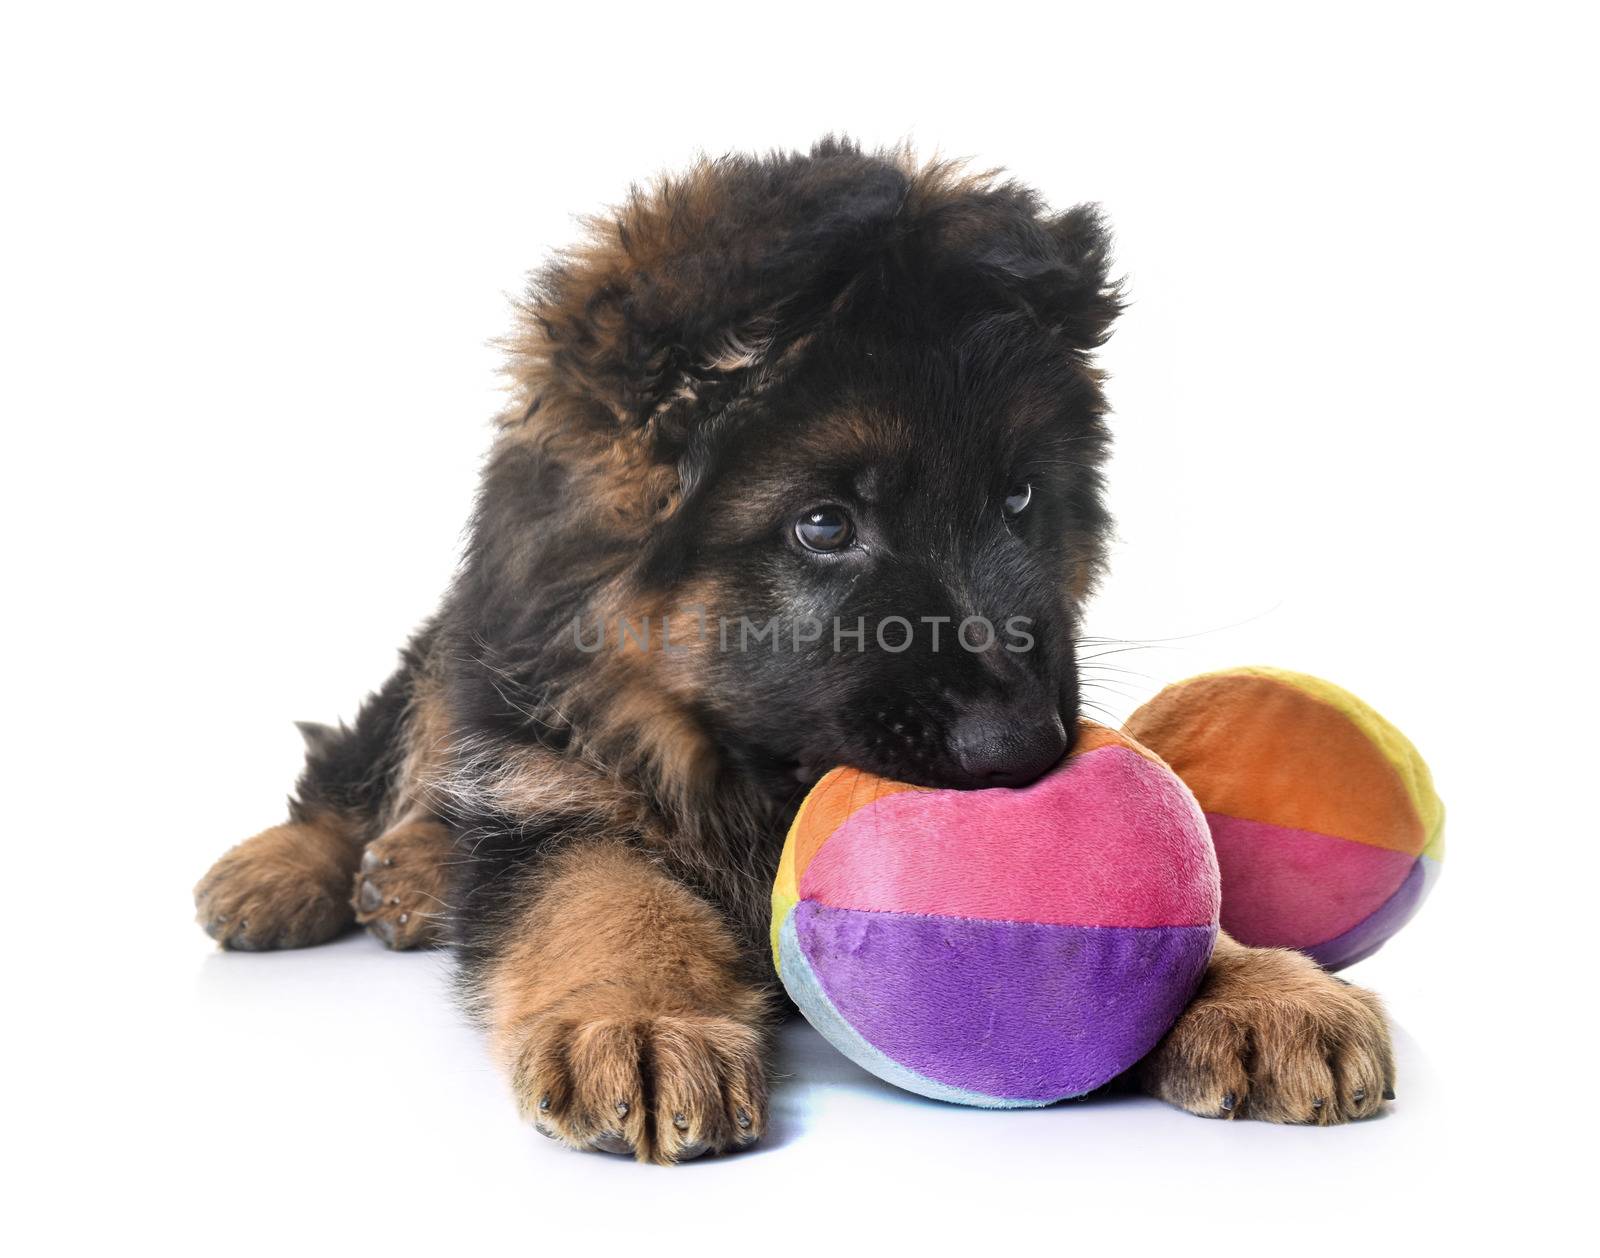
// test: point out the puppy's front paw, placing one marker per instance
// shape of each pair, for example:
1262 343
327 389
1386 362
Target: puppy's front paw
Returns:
1273 1036
664 1087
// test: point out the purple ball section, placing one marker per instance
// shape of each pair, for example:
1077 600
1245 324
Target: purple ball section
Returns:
1012 1010
1367 936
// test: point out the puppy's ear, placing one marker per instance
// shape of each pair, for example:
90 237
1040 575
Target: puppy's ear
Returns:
1063 275
702 276
1089 300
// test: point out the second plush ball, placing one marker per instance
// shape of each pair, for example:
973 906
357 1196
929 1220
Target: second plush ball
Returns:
1329 832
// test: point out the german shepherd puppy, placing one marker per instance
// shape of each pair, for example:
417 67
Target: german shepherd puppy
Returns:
767 409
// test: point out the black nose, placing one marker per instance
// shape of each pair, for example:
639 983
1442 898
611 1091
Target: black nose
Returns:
1006 748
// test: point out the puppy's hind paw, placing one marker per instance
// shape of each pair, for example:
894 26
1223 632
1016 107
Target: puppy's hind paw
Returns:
282 889
400 888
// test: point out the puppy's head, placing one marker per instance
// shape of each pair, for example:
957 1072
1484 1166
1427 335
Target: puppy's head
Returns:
827 423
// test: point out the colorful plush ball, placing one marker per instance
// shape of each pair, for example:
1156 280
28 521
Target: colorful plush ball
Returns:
1327 828
999 947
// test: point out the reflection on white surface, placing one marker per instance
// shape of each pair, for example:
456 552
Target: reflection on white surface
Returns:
348 1074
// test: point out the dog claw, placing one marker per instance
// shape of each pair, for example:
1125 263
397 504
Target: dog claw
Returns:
1359 1095
240 940
370 897
622 1109
1388 1094
742 1117
1229 1100
680 1122
370 859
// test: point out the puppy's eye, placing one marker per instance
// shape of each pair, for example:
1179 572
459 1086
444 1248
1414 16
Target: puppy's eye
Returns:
825 529
1017 500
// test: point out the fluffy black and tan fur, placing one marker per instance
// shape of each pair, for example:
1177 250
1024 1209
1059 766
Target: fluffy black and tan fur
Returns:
906 348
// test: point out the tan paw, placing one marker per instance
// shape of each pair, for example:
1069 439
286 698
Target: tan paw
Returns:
284 888
1273 1036
401 888
665 1088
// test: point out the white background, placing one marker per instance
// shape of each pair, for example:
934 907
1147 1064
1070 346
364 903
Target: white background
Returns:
252 260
